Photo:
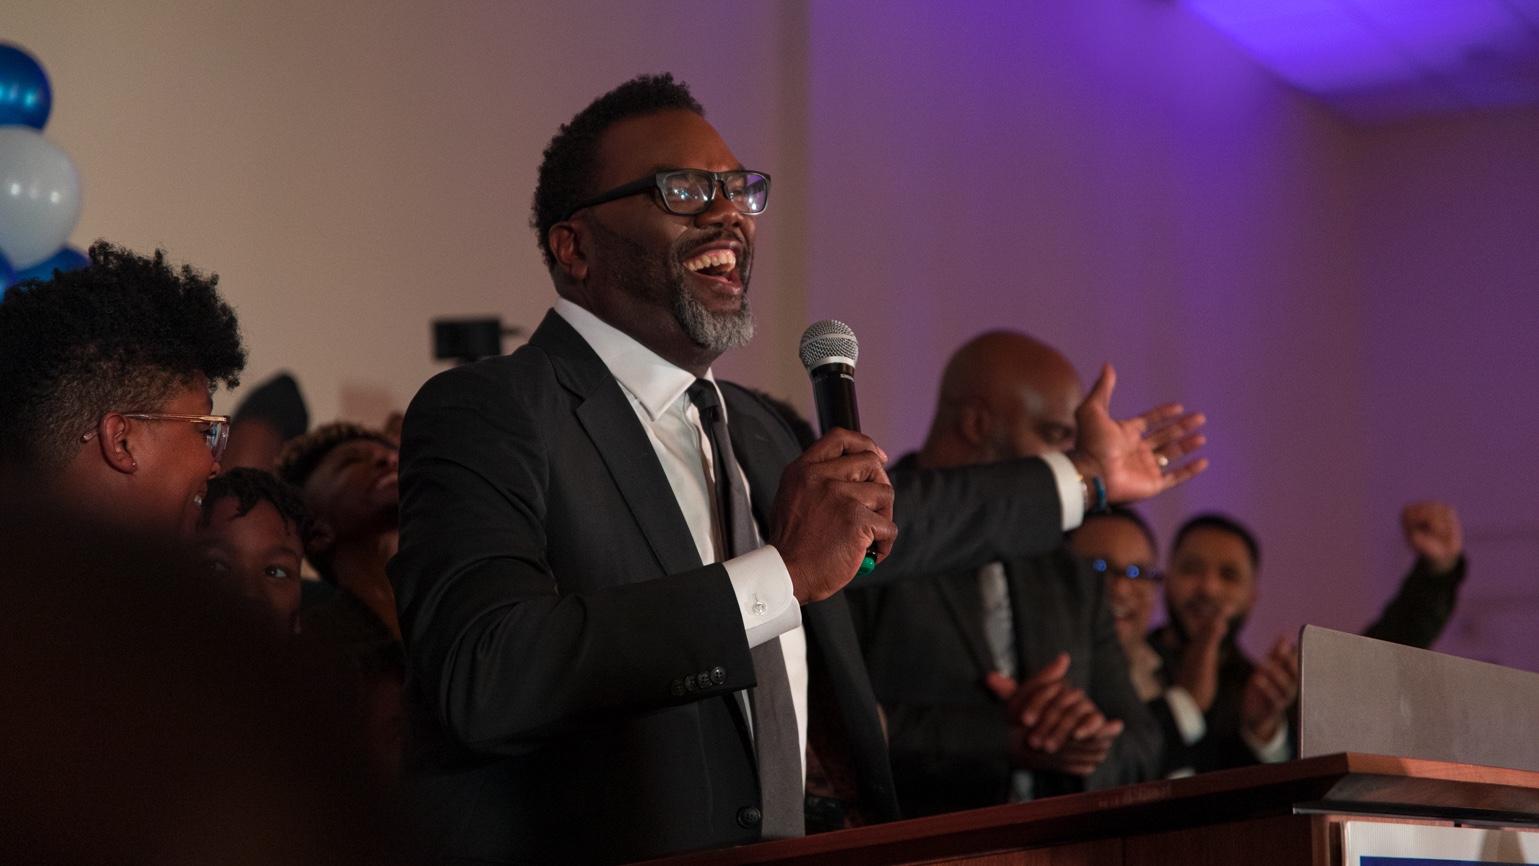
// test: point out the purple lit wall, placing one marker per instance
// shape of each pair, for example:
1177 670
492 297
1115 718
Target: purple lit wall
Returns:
1121 180
1452 212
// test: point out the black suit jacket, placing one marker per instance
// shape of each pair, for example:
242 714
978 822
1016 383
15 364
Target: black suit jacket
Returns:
575 659
928 655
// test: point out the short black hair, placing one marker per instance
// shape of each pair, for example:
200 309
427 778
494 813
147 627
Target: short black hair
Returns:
250 487
571 158
121 334
1123 512
1222 523
302 455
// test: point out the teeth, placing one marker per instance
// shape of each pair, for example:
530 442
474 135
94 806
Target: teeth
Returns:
712 259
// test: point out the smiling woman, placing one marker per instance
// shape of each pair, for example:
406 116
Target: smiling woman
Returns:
106 378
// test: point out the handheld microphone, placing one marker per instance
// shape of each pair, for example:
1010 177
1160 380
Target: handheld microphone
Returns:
829 351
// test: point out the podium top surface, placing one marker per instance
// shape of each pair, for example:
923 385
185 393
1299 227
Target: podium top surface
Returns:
1346 782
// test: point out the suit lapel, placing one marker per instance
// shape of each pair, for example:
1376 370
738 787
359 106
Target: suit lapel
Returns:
960 596
619 439
1039 638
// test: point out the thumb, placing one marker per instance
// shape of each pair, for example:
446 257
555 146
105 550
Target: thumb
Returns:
1051 672
1002 686
1101 391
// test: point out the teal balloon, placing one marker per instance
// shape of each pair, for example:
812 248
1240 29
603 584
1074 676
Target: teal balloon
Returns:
25 97
67 259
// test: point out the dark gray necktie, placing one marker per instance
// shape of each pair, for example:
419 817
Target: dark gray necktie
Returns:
776 739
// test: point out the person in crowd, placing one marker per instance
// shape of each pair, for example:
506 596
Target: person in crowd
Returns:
106 381
270 415
1238 712
1425 602
348 477
1006 682
252 535
619 579
1219 709
1119 545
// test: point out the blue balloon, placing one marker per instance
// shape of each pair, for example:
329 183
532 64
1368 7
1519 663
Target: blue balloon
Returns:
5 274
25 97
66 259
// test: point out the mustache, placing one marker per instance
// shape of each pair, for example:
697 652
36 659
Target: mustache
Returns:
711 236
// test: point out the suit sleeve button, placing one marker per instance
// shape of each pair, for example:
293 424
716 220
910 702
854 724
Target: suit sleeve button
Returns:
689 683
718 675
677 687
749 816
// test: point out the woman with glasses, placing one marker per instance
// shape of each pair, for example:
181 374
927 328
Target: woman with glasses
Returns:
106 382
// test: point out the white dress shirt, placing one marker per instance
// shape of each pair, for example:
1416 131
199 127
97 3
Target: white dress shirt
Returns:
657 390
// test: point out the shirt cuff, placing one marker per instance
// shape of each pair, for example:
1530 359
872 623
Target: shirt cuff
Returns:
1188 716
1273 752
765 597
1071 495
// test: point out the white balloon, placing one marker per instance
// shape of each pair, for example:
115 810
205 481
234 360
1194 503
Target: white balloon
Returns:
39 196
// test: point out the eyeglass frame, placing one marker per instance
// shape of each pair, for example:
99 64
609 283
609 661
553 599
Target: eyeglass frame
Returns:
655 181
220 422
1103 567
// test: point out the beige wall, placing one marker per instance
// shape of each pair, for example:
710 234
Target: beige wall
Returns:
353 169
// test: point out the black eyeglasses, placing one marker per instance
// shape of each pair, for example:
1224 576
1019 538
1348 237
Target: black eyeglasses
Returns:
690 191
1132 572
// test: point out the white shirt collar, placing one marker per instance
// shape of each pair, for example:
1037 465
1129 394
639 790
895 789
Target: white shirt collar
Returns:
655 383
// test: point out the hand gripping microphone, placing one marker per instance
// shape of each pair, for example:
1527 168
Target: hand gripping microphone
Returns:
829 351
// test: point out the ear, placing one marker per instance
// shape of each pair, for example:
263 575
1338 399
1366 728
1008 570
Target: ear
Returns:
321 540
975 422
566 246
112 440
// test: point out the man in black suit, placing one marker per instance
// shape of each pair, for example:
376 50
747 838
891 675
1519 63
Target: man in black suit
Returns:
1006 682
619 579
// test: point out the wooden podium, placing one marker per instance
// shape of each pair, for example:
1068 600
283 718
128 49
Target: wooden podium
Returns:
1256 816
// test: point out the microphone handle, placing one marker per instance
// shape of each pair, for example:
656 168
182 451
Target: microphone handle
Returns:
833 389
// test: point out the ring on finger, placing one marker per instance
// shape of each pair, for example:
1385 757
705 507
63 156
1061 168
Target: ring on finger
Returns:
1163 461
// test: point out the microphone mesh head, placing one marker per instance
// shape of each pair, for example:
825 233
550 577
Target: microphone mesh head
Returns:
828 340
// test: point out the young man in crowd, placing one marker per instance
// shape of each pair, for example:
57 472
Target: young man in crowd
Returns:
252 534
106 382
347 476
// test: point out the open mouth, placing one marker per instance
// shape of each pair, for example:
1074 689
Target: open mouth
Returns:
718 264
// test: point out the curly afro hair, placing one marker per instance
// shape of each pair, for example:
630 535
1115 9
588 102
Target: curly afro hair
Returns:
250 487
570 158
302 454
122 334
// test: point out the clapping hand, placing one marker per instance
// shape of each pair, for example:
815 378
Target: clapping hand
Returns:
1053 725
1270 691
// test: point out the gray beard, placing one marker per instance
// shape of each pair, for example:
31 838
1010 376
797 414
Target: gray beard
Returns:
648 274
717 333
